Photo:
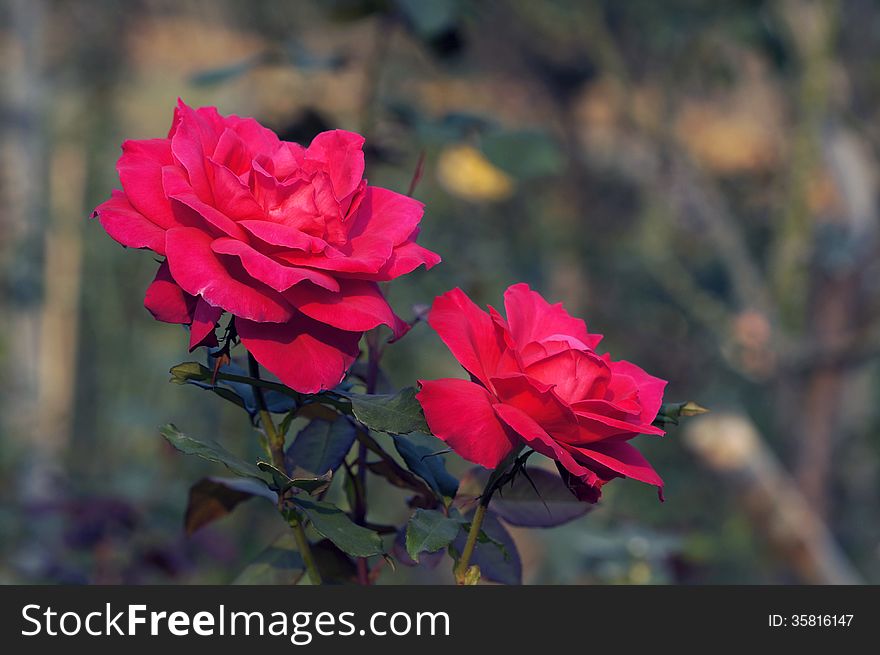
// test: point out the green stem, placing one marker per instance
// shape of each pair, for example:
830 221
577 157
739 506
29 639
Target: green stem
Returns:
276 447
464 561
305 551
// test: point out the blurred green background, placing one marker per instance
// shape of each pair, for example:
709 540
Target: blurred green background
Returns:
697 180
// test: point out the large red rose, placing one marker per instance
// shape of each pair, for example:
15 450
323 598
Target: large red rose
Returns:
537 380
289 240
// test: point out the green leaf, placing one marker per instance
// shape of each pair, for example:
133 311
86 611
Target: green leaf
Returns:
670 413
403 479
213 498
210 450
398 413
428 531
283 482
333 523
335 566
186 371
278 564
524 155
421 454
321 445
195 372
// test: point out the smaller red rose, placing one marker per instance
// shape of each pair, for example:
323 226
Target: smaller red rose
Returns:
537 380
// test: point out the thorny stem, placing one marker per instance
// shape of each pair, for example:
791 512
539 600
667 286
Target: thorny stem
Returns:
499 476
276 447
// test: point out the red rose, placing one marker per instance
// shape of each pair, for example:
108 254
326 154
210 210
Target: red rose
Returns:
289 240
537 380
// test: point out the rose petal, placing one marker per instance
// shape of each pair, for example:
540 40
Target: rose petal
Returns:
650 388
201 332
277 234
267 270
257 137
140 171
197 269
166 301
537 438
195 137
128 226
192 212
596 425
370 257
533 319
541 403
358 305
306 355
385 213
405 259
470 334
342 155
621 457
576 374
232 197
461 414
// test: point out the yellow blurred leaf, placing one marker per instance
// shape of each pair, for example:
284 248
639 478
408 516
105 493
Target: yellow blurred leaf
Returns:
465 172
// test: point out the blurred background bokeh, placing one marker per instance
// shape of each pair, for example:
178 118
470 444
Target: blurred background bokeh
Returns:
699 180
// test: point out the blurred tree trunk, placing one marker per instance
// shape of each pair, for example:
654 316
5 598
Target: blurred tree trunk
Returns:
59 329
25 196
731 446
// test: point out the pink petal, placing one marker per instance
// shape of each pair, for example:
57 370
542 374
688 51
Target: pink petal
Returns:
342 154
231 152
461 414
306 355
537 438
629 408
257 137
533 320
140 171
192 212
265 269
201 331
233 197
277 234
601 425
365 257
199 271
405 259
287 160
128 226
195 138
622 458
386 214
576 374
540 403
470 333
650 388
166 301
358 305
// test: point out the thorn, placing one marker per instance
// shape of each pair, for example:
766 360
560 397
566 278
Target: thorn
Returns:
221 360
537 493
